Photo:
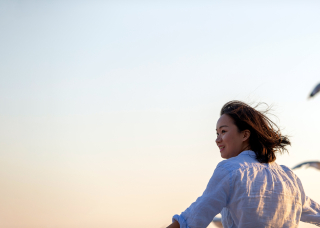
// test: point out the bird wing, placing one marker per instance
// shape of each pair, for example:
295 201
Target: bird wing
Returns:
309 163
315 165
315 90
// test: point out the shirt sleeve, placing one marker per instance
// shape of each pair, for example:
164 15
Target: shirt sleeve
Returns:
310 209
214 198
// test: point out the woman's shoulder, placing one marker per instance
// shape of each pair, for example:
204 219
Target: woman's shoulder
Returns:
285 168
288 171
244 160
230 164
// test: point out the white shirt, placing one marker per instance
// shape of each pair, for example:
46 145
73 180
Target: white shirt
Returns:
251 194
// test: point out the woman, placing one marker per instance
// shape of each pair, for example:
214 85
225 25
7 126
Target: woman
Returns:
249 188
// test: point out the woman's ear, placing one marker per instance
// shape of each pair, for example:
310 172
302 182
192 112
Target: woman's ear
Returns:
246 135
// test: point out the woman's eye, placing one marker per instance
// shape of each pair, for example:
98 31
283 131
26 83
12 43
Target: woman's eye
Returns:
223 131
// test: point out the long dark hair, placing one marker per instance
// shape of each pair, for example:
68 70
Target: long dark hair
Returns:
265 136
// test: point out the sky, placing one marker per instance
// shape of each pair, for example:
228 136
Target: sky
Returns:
108 108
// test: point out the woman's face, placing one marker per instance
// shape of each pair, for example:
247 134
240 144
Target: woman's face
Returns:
230 141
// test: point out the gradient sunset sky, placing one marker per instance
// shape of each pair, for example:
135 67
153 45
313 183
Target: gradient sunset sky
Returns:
108 108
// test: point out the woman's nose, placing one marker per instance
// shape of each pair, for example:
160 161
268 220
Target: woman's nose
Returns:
218 139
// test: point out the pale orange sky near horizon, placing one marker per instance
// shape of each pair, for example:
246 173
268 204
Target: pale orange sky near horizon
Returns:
108 109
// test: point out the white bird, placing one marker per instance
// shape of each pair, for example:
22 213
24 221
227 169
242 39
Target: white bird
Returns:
315 91
314 164
217 222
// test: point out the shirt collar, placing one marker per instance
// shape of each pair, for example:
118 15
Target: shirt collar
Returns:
247 152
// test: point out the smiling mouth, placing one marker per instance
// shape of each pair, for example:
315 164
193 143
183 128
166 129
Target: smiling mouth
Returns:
221 148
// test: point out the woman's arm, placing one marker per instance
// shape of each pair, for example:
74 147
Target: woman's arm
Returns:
310 212
175 224
202 211
310 209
